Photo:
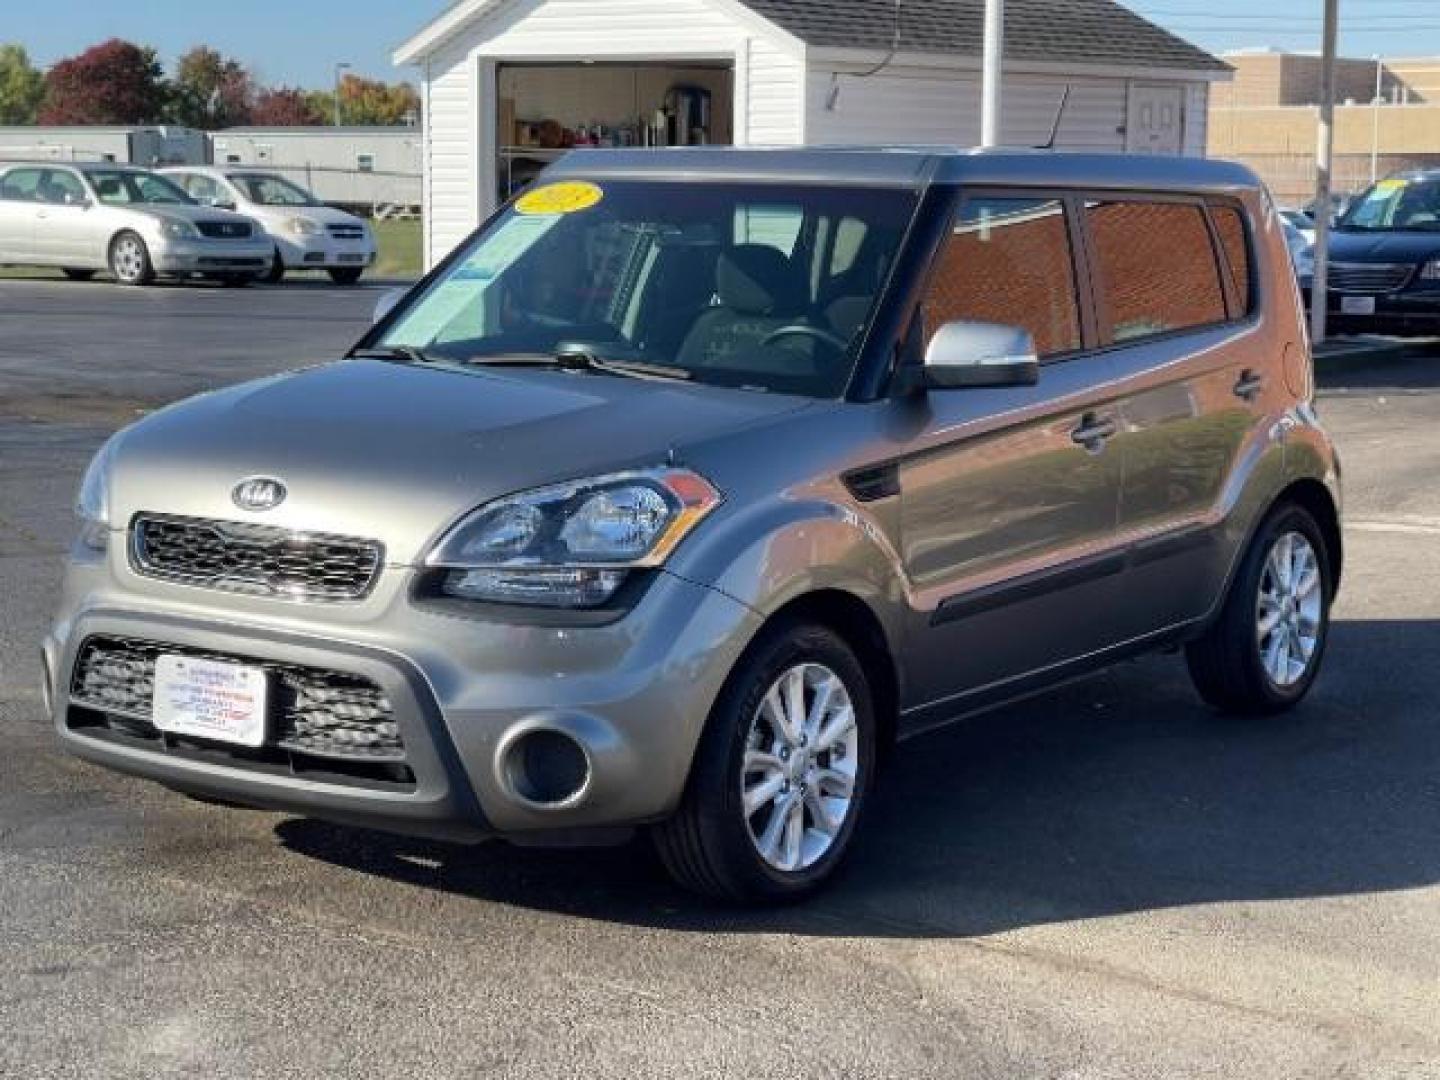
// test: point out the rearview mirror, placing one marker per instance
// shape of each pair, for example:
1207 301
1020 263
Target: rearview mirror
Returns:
974 354
386 303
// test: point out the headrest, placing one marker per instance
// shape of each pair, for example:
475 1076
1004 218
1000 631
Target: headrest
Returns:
108 185
756 279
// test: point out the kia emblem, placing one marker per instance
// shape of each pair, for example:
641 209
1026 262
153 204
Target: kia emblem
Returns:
258 493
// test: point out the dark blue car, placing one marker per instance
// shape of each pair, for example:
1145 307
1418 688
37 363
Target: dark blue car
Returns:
1385 259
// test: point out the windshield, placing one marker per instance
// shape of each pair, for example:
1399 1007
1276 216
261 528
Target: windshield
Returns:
265 190
120 188
1396 204
762 286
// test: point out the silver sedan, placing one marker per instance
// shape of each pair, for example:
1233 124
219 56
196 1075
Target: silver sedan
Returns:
84 218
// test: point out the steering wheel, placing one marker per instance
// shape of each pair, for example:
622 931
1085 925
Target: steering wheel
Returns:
835 341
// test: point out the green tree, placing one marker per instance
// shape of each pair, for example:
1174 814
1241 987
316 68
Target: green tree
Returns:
21 86
369 103
211 91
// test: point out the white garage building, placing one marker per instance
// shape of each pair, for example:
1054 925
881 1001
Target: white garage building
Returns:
509 83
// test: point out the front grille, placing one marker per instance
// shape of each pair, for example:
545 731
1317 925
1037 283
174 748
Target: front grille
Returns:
224 230
257 559
346 232
314 713
1369 279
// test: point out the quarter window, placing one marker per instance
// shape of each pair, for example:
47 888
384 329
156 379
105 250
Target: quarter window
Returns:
1009 261
1157 268
1230 225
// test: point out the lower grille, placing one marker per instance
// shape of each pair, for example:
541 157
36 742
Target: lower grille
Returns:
1369 279
314 712
346 232
257 559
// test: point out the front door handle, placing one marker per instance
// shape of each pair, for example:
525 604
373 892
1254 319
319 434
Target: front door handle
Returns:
1093 432
1249 385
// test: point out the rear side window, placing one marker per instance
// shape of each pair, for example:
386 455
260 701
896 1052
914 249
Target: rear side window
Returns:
21 185
1009 261
1157 268
1230 226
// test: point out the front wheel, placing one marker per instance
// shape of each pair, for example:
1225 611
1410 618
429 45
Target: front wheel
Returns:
781 775
130 260
345 275
1263 653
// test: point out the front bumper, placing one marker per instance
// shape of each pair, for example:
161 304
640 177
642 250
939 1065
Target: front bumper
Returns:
1413 313
633 695
325 252
185 257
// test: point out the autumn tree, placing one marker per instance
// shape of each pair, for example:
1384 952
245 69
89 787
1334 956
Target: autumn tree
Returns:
284 106
211 91
21 86
116 82
370 102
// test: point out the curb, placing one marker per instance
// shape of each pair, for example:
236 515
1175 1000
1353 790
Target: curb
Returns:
1351 354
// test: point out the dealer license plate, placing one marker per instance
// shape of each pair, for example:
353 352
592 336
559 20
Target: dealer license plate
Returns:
1357 305
210 699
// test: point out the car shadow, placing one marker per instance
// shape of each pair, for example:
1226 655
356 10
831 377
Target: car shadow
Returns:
1416 368
1117 794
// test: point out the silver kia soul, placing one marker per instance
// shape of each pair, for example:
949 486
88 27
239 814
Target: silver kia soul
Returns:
696 479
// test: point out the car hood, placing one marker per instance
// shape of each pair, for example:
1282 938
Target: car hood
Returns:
183 212
326 215
1384 247
397 453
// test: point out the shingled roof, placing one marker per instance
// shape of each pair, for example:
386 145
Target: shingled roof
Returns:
1057 31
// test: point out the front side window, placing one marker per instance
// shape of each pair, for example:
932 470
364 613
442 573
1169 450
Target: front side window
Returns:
62 188
200 188
266 190
720 281
1157 268
125 188
1008 261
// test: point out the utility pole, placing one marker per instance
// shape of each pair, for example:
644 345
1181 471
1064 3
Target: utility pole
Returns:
1324 162
991 73
340 69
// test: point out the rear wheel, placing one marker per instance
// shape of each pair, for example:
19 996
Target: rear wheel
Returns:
76 274
1264 651
345 275
130 260
781 775
237 281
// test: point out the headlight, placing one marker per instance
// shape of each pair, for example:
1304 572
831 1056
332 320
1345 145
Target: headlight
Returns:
1430 271
301 226
92 505
572 545
178 230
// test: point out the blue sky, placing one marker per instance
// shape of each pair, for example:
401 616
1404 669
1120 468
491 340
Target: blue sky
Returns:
299 41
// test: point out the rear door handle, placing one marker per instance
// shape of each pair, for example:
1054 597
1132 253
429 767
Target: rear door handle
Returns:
1249 385
1093 432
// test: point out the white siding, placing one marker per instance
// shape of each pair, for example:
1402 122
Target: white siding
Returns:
1197 118
452 207
916 105
587 29
775 96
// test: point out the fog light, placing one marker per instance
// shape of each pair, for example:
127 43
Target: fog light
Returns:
547 768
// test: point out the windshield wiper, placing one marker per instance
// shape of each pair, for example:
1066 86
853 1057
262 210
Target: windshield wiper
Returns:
578 359
410 354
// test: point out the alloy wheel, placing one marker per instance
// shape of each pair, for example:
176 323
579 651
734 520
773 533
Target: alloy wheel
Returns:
800 767
1289 610
129 259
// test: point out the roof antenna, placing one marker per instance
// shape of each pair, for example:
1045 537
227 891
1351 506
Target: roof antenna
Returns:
1049 144
832 99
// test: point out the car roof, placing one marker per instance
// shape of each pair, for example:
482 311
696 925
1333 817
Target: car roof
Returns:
914 167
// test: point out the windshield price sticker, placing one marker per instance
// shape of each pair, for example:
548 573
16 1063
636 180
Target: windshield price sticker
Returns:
569 197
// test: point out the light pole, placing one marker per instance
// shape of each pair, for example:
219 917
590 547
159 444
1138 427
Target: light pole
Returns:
1375 121
1324 162
991 72
340 70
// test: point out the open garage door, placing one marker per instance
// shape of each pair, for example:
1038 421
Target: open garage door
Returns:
546 109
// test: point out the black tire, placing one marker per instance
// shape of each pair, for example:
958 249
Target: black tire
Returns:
77 274
345 275
275 274
1227 664
131 265
708 846
237 281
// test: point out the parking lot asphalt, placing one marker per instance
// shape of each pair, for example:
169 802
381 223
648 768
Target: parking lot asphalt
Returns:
1107 881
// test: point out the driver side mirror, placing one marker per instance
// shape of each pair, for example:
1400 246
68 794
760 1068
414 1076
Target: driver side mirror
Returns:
218 202
980 354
